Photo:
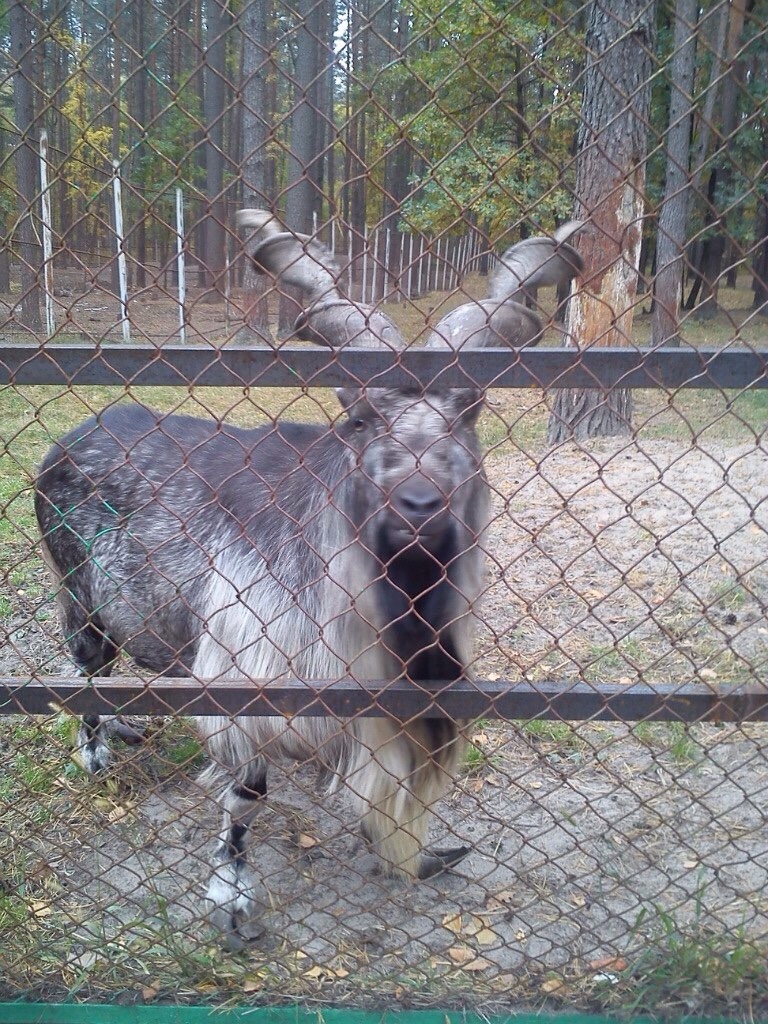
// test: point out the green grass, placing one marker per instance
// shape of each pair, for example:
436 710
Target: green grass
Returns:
673 738
690 970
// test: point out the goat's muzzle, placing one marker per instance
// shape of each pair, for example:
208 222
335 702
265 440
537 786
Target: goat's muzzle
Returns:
417 510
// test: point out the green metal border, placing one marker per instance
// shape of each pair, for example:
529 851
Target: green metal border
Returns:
91 1013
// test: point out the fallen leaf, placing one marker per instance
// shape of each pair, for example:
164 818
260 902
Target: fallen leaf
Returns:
577 899
690 863
612 963
40 908
453 923
500 900
461 954
624 680
319 971
520 935
486 937
150 991
708 673
478 964
476 785
307 842
552 985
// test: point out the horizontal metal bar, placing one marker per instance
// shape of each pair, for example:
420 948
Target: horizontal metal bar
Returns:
344 698
240 366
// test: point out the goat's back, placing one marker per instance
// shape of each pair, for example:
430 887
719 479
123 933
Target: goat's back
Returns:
135 505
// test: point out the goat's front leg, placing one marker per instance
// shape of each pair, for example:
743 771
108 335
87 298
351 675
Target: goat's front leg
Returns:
231 892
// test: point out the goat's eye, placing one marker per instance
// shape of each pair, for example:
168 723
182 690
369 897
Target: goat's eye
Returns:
359 425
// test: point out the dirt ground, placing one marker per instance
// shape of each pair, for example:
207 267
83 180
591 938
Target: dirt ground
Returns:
617 560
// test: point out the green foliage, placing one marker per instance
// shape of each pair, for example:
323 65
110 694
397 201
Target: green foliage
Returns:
489 112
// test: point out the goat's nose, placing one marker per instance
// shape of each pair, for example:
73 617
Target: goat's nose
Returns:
417 500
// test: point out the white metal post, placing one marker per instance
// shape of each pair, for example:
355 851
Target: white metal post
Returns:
45 203
365 263
410 264
122 268
180 267
385 275
375 270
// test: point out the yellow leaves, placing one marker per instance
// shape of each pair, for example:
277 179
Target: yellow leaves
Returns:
486 937
473 930
324 971
452 922
307 842
501 900
467 959
552 986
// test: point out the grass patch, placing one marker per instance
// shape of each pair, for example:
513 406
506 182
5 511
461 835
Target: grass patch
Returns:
691 970
673 738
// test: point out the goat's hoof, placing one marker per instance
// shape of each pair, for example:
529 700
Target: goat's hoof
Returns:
434 862
234 907
128 733
94 755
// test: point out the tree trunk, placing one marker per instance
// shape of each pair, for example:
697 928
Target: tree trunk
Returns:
300 193
673 214
27 189
256 131
610 184
139 16
215 108
5 263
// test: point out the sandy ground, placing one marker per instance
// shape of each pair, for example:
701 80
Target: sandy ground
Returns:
613 561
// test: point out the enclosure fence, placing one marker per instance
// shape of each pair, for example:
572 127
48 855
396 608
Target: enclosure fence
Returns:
384 568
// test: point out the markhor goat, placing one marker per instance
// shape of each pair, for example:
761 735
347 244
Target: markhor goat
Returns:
303 550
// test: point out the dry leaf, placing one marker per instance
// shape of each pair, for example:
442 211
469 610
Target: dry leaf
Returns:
307 842
453 923
520 935
476 785
552 985
40 908
501 900
690 863
319 971
486 937
461 954
577 899
612 963
708 673
478 964
149 992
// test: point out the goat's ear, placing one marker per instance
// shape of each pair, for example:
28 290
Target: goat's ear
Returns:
348 397
466 404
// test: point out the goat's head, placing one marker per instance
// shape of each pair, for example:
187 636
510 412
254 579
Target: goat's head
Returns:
417 449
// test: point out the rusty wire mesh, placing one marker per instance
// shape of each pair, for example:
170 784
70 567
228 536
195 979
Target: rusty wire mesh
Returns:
612 791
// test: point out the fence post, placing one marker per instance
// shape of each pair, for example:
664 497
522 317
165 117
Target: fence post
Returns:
45 204
122 270
180 269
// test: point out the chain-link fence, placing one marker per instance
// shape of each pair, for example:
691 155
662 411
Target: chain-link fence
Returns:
446 688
